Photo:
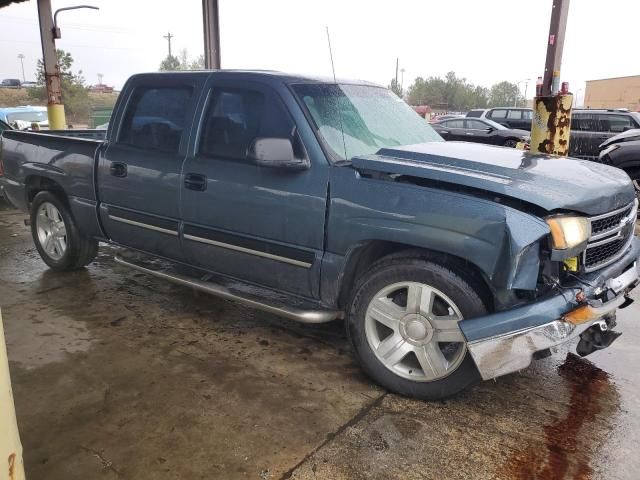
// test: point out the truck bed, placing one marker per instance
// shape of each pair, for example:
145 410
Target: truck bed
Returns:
66 157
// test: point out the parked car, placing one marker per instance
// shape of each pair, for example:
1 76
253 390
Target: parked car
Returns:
23 117
511 117
591 127
480 131
623 151
10 83
449 262
29 84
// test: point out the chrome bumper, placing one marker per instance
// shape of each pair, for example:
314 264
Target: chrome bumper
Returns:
514 351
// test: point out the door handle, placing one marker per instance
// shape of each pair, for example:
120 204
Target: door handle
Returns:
445 132
195 181
118 169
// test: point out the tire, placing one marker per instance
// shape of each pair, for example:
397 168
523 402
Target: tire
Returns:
413 337
56 236
511 143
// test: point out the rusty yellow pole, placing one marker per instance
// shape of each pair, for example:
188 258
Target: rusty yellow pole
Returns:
55 108
551 123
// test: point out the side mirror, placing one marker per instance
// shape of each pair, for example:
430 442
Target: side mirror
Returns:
276 153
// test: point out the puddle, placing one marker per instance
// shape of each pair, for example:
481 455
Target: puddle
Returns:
568 445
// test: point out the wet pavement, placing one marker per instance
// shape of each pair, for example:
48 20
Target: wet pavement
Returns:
119 375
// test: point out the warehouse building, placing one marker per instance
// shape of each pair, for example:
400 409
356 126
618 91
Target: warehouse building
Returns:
619 92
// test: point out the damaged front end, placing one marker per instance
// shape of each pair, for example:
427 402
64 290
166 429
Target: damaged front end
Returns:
578 296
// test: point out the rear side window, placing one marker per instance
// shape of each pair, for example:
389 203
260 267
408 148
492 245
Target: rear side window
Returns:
615 123
527 114
475 113
514 115
236 117
584 122
497 114
454 124
156 117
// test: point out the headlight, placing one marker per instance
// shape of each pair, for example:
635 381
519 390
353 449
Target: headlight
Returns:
609 149
568 232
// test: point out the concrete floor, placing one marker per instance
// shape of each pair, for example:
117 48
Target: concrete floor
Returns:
118 375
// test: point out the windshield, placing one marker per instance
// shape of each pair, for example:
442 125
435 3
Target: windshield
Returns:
358 120
28 116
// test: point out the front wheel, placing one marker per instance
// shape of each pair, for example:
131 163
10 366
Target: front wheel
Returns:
56 236
512 143
403 324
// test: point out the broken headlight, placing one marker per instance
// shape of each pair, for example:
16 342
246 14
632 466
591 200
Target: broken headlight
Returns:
569 235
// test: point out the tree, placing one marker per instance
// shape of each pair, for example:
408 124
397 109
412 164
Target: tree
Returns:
170 63
74 92
506 94
182 62
396 88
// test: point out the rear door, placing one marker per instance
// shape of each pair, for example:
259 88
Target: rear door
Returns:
139 171
259 224
497 115
585 135
455 129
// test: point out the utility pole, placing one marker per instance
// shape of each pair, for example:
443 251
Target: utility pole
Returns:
55 108
211 23
397 61
402 79
551 123
21 57
168 37
100 77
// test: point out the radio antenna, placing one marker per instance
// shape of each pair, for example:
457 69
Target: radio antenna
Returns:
331 55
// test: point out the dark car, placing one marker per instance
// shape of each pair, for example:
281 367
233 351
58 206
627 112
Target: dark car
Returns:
446 116
449 262
10 83
623 151
480 130
590 128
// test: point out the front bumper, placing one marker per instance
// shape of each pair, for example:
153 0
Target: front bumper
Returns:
522 332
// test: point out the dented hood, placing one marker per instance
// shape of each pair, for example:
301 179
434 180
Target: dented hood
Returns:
552 183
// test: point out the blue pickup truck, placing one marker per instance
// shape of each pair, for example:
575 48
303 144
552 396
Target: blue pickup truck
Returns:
318 200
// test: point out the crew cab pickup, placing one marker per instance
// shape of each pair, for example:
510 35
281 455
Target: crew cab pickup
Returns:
317 200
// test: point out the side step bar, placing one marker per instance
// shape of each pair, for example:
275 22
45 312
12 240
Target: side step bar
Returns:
276 307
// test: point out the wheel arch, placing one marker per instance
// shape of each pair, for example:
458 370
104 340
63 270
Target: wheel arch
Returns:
365 255
35 184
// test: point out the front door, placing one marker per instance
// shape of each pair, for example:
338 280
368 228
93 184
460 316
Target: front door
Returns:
139 171
259 224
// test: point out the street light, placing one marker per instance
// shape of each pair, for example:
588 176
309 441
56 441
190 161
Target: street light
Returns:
21 57
56 29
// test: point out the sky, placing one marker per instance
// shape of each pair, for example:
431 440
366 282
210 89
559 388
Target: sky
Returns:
483 41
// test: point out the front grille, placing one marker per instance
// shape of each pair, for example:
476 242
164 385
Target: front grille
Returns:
608 223
611 235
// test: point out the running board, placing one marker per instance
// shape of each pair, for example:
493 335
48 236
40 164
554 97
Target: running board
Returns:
247 295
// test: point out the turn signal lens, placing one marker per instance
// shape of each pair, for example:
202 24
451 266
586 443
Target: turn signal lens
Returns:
568 232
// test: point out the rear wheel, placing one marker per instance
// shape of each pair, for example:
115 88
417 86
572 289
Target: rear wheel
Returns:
56 236
403 324
511 143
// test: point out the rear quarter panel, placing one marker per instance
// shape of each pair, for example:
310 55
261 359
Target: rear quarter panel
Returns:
67 161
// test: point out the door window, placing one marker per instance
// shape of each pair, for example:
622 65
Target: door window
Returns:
156 117
514 115
584 122
614 123
236 117
498 114
454 124
527 114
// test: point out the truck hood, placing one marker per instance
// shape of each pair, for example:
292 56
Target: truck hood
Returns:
549 182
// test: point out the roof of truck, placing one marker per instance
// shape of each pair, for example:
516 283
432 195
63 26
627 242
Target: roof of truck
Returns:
285 77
